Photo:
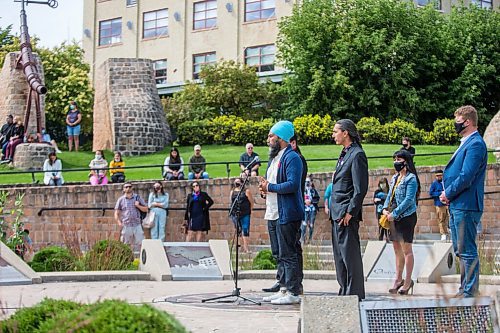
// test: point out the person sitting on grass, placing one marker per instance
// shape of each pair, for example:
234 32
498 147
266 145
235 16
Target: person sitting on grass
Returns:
116 170
197 165
47 139
173 168
53 171
98 169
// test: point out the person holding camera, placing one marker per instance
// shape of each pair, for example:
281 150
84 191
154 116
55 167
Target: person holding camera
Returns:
242 212
128 210
53 171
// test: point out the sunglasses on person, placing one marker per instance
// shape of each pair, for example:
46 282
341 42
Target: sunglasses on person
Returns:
157 188
195 185
127 186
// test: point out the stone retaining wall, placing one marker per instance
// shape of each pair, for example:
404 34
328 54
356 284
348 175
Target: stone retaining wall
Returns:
52 227
31 155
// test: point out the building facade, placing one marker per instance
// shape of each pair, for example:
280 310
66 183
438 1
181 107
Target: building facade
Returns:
181 36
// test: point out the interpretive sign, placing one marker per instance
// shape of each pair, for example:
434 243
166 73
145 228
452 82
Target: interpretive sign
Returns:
192 261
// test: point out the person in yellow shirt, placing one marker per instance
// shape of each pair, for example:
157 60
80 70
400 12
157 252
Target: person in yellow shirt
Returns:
117 175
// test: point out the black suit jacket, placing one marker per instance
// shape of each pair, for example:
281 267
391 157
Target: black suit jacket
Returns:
350 184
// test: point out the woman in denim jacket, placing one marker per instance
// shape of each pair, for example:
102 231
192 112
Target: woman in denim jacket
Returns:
401 211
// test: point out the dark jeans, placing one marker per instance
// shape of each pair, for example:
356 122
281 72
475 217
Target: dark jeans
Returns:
348 262
290 255
273 239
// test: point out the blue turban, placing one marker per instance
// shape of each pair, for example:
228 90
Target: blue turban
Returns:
284 129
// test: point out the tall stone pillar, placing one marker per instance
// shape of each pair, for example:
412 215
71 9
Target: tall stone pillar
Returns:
14 90
128 115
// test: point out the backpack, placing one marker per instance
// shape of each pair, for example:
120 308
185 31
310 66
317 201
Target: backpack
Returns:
141 213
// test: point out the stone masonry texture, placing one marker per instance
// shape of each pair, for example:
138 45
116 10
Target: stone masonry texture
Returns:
492 134
128 115
87 227
14 90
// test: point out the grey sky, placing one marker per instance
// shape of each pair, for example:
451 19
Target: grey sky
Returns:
52 26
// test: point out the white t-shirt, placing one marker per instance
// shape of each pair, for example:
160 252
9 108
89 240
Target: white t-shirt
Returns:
272 198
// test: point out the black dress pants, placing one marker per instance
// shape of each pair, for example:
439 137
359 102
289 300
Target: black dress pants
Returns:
348 262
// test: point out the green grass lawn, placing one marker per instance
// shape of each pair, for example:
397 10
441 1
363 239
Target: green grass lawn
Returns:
226 153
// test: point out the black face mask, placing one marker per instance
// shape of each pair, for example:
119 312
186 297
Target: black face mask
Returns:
459 127
405 145
399 166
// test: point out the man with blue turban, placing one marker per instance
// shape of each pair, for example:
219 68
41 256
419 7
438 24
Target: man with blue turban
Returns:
284 211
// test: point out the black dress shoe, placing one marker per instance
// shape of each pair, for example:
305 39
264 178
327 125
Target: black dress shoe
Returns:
275 288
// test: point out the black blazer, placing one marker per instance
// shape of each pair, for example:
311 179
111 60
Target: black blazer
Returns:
350 184
206 203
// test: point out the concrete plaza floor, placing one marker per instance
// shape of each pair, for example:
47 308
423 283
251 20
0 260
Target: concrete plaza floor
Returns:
183 299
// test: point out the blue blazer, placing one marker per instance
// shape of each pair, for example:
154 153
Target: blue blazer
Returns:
464 175
288 187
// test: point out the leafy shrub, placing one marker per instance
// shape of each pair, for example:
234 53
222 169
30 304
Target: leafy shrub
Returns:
113 316
109 255
444 132
313 128
264 260
107 316
223 128
54 259
30 319
195 132
370 130
393 132
251 131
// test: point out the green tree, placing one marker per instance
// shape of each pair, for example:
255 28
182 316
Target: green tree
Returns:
6 36
388 59
66 78
228 88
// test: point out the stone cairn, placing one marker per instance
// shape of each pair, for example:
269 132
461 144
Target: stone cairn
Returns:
492 135
128 114
14 92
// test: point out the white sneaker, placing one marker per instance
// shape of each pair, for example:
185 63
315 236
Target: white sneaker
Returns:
287 299
58 151
279 294
443 237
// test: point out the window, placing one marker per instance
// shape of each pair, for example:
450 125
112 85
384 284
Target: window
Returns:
155 23
131 2
200 60
110 31
436 3
488 4
160 69
259 9
260 57
205 14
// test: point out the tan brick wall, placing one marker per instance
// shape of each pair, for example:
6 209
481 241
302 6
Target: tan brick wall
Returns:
93 225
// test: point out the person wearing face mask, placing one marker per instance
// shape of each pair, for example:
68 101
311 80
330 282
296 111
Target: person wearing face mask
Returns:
400 207
311 199
116 168
158 203
73 120
441 209
407 146
463 182
197 217
379 197
98 169
242 212
47 139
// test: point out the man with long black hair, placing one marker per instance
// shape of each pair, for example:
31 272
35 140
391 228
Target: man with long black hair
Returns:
350 184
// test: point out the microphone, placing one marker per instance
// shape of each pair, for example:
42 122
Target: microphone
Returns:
252 163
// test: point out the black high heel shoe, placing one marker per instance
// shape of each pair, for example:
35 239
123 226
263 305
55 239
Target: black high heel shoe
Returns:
395 290
405 291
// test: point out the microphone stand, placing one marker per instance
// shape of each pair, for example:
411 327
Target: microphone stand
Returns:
235 208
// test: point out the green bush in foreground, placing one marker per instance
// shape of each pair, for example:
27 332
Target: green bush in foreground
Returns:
107 316
54 259
264 260
30 319
109 255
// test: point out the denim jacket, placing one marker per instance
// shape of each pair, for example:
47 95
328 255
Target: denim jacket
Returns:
405 196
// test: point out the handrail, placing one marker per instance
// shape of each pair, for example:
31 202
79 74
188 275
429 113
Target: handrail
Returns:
104 209
227 163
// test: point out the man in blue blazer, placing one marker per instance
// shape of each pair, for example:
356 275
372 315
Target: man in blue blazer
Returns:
284 210
464 192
